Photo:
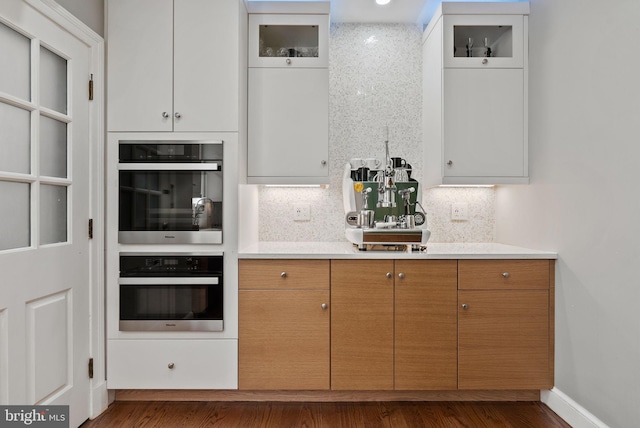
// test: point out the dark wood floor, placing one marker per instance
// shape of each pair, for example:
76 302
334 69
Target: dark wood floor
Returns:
160 414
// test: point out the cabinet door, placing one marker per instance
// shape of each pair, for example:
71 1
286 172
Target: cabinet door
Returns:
206 65
504 35
426 325
503 339
361 325
484 123
140 65
283 339
288 125
304 39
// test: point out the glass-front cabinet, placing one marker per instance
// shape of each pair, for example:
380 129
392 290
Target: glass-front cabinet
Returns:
483 41
278 40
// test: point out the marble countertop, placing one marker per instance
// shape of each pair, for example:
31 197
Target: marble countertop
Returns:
345 250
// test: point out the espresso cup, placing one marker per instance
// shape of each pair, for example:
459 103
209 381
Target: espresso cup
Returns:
398 162
362 174
372 163
356 163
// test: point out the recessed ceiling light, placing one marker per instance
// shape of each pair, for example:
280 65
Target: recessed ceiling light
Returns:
382 2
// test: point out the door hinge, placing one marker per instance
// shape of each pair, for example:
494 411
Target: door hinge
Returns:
90 368
90 228
91 88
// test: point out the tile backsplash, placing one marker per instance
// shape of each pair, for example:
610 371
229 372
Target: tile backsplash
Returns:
375 81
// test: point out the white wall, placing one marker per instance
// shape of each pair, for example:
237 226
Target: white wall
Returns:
583 200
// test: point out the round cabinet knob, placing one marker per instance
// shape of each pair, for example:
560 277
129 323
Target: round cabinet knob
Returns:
389 275
506 275
450 163
171 366
324 306
288 61
323 162
165 115
401 275
178 115
283 275
465 306
485 61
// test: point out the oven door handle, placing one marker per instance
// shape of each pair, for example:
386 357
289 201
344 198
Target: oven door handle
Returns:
160 166
170 281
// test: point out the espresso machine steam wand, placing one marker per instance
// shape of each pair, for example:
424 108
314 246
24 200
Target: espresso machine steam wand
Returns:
387 187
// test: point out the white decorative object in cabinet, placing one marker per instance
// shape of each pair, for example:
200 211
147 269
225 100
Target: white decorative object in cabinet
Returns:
288 92
173 65
172 364
475 83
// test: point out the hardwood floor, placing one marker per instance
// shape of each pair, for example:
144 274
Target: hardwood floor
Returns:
161 414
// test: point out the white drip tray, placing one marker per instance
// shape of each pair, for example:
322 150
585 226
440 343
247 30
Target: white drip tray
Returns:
391 236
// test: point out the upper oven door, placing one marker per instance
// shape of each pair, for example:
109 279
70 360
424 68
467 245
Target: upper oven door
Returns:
170 193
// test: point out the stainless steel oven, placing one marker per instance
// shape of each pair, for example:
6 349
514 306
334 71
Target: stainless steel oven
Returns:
170 192
171 292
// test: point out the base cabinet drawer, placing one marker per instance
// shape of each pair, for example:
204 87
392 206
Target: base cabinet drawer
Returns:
172 364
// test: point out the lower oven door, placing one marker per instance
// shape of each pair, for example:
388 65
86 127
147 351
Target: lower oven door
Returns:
171 304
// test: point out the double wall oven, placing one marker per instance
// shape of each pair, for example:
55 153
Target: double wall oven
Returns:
169 203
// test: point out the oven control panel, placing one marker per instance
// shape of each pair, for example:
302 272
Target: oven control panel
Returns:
170 265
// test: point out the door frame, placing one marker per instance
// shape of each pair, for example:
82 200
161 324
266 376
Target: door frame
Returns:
98 395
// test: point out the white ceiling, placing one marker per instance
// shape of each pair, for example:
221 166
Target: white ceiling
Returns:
397 11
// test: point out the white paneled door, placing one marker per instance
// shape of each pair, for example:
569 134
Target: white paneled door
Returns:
45 189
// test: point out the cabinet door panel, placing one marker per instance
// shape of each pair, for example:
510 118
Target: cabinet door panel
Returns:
513 40
503 339
283 339
206 65
288 127
361 325
140 65
484 122
426 325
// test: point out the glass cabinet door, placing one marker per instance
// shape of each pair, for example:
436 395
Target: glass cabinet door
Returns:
484 41
288 40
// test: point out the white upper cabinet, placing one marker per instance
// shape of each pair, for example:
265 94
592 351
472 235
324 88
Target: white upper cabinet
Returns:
288 93
173 65
475 83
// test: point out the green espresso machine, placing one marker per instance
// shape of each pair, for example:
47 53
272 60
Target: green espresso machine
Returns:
382 206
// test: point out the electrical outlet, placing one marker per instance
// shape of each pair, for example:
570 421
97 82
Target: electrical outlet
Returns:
301 212
459 211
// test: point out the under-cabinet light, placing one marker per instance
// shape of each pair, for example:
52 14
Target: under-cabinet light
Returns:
382 2
310 186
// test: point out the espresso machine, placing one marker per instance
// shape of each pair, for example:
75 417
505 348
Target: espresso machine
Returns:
382 204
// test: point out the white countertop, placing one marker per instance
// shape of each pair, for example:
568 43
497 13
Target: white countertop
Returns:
345 250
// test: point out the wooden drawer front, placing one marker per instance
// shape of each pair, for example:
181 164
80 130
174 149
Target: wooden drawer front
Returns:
172 364
283 274
503 274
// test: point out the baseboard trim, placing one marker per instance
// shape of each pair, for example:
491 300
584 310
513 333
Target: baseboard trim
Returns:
323 396
569 410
